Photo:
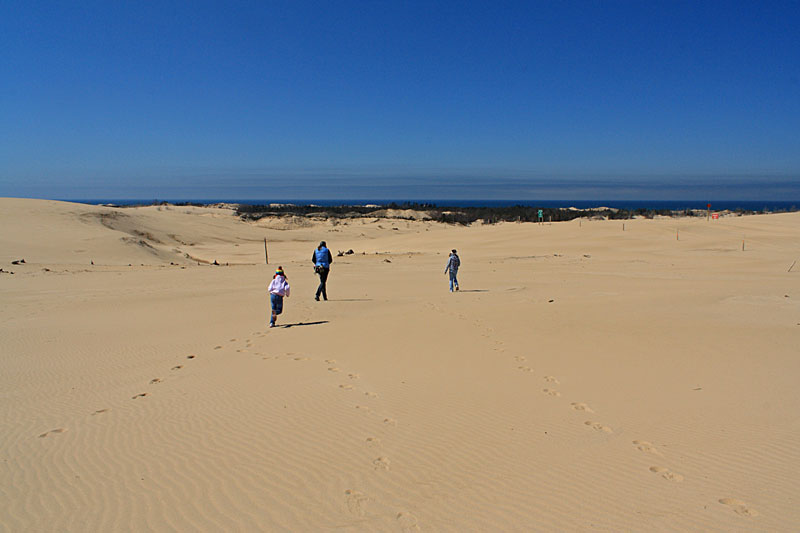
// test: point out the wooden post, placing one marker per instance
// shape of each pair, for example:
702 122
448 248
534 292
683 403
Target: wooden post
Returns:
623 226
791 267
677 234
743 245
580 222
266 254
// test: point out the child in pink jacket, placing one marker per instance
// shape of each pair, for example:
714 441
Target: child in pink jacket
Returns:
278 288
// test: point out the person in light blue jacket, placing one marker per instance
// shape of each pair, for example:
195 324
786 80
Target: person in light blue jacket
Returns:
322 260
452 266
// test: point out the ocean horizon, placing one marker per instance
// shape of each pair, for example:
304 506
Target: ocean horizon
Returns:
671 205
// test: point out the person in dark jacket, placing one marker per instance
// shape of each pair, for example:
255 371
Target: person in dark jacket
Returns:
453 262
322 260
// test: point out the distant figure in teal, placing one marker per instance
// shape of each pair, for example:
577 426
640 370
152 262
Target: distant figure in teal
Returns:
452 267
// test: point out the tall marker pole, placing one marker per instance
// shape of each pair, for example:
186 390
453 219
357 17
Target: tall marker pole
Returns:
266 254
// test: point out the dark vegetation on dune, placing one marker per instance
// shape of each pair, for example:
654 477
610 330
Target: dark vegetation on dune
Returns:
460 215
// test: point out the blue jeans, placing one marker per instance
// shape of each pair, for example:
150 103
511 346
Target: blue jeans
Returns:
323 279
453 280
277 306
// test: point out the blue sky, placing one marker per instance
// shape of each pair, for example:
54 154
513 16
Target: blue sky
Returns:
400 100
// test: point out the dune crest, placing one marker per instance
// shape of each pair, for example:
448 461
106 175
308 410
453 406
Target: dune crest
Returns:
583 377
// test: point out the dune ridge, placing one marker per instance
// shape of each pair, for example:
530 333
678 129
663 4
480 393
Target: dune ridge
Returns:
585 377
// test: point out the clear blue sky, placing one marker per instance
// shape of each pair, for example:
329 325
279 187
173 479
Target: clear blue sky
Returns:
504 100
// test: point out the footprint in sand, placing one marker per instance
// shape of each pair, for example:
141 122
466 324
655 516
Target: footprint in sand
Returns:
301 358
520 358
644 446
140 395
551 392
666 473
176 367
346 387
362 408
551 379
373 442
333 369
355 501
353 376
390 421
57 430
525 368
738 506
217 347
232 340
407 522
192 356
580 406
155 380
597 426
330 361
381 463
100 411
371 394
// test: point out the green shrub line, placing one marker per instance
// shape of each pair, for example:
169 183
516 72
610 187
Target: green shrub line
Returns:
465 215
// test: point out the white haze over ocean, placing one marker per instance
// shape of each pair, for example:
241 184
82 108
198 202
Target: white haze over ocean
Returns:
405 184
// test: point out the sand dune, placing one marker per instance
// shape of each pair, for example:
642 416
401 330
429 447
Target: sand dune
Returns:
585 378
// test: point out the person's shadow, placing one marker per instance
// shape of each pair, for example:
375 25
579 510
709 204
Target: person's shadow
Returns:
302 324
473 290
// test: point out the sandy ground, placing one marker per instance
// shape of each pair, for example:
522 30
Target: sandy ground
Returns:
584 378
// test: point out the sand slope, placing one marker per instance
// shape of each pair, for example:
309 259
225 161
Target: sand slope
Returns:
586 378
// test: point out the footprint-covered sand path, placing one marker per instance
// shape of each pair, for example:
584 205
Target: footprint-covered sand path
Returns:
584 378
370 495
499 347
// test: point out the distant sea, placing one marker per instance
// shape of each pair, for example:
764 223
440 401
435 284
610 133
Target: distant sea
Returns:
672 205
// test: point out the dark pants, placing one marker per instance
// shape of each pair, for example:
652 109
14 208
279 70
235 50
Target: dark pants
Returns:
323 278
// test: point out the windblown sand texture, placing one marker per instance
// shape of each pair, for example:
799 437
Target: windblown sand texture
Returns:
584 378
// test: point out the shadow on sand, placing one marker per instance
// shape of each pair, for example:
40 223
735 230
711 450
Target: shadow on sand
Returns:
473 290
301 324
